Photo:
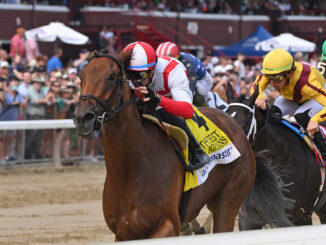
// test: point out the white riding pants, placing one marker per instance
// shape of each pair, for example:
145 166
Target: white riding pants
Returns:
289 107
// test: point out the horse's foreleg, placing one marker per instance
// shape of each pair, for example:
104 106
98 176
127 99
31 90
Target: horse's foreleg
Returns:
166 229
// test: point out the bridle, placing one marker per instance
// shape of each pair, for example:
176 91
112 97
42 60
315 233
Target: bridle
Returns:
102 116
253 124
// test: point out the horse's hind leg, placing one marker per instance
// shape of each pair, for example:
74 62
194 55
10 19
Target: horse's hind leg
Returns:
224 208
224 216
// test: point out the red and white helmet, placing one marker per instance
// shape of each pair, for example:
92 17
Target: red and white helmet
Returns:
143 57
168 49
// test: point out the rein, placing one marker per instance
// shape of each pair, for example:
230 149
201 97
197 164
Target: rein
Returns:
253 124
108 112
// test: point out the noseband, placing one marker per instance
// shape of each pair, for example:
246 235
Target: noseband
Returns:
108 113
253 124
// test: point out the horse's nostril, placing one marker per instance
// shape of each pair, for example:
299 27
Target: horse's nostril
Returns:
89 117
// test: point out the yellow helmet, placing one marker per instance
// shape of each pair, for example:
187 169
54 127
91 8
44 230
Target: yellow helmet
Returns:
277 61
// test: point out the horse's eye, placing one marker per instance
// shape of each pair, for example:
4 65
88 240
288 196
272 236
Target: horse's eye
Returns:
111 77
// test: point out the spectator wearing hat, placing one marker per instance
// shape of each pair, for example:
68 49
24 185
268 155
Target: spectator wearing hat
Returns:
54 63
72 74
35 110
10 112
4 70
17 43
80 63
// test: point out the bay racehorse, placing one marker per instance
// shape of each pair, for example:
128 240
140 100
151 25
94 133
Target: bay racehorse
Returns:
291 159
144 184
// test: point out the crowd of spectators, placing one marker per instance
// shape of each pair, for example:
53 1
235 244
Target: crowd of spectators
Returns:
33 87
250 7
241 72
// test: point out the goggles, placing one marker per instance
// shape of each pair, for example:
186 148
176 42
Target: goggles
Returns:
132 75
276 77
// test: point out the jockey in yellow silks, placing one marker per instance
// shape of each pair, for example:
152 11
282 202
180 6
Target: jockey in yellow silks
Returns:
302 92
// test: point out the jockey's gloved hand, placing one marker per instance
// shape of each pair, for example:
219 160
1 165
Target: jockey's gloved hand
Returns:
154 98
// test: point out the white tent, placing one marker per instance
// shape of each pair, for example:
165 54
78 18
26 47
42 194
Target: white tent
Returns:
286 41
57 30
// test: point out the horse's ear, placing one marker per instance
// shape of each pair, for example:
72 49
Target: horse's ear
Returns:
92 54
124 57
254 96
230 93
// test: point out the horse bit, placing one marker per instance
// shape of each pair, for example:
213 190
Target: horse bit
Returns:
108 113
253 124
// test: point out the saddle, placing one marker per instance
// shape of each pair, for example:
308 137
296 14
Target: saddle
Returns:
176 133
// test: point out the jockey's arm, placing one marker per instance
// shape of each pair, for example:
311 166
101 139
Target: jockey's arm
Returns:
181 102
205 84
178 108
262 82
318 94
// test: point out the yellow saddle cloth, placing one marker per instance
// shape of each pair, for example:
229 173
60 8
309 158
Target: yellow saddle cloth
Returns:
212 140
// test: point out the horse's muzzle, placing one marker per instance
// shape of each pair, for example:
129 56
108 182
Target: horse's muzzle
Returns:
84 122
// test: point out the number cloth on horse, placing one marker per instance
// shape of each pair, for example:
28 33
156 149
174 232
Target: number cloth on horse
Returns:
214 142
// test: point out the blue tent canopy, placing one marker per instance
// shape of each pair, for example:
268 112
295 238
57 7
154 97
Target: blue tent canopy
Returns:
247 45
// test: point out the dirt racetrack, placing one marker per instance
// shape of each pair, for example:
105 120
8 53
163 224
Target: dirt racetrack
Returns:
43 205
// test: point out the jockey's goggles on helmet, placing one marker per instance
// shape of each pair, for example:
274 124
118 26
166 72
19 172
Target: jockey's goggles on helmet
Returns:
136 75
276 77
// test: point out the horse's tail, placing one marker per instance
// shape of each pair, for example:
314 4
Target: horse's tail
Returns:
265 204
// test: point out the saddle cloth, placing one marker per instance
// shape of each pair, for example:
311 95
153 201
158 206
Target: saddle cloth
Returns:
212 140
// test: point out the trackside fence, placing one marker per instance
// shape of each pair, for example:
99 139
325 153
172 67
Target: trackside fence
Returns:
308 235
59 142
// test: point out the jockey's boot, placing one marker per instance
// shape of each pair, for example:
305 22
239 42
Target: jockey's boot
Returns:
198 158
321 143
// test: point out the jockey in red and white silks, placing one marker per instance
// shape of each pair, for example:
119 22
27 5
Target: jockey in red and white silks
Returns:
163 84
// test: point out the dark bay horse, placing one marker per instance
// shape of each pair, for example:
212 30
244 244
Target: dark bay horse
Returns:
144 183
291 159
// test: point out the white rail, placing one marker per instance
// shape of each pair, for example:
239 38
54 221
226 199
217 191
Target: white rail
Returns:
308 235
36 124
